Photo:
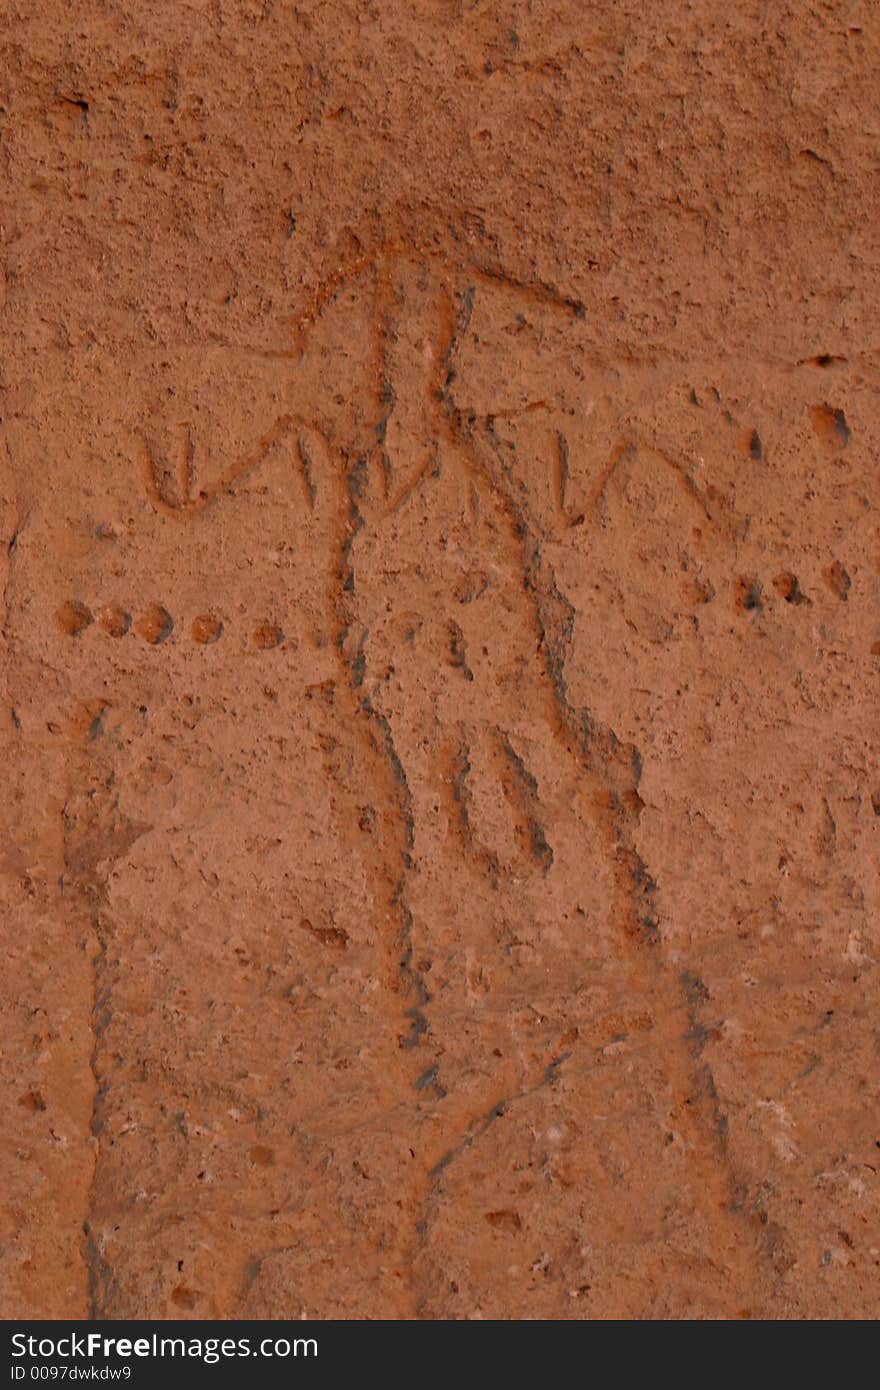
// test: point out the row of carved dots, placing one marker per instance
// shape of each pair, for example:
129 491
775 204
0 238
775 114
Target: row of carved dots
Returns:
154 625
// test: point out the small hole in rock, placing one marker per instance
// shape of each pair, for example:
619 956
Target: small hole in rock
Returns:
838 580
207 629
830 426
114 620
747 593
788 588
73 617
268 635
156 624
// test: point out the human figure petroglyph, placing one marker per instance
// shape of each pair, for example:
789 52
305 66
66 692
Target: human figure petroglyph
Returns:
359 492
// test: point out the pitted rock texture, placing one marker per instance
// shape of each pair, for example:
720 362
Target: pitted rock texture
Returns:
440 659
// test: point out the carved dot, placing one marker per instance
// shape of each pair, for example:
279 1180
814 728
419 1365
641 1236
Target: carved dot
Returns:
206 629
838 580
267 636
701 591
156 624
747 593
73 617
824 359
787 586
32 1100
830 426
750 444
114 620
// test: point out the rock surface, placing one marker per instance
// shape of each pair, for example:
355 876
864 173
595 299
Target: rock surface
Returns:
440 656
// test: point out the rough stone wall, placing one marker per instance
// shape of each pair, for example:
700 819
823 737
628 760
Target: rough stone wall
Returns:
440 652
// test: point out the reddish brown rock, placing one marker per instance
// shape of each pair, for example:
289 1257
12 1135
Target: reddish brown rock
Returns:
439 664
